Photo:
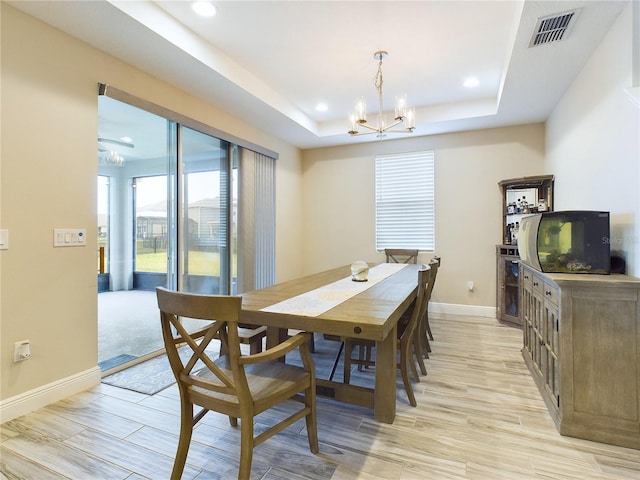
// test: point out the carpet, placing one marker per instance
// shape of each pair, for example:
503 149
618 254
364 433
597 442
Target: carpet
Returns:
153 375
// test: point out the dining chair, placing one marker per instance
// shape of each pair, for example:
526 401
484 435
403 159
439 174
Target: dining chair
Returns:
423 334
435 263
252 336
401 255
406 344
240 386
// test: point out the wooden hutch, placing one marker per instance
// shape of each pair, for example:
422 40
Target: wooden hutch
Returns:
537 192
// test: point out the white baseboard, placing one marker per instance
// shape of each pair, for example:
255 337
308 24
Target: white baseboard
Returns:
26 402
455 309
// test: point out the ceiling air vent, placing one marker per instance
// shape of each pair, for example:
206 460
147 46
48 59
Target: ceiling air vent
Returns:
553 29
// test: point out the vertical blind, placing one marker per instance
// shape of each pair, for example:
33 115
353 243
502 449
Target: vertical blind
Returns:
405 201
256 221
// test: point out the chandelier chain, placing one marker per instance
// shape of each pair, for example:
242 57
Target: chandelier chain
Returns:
377 80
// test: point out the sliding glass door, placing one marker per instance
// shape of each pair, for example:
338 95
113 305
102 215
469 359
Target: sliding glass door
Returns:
206 211
170 214
165 221
136 155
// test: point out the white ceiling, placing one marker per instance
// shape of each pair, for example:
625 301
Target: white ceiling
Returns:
271 62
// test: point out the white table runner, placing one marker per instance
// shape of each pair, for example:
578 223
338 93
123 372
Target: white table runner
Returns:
315 302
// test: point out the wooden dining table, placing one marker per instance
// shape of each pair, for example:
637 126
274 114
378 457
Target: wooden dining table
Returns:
372 314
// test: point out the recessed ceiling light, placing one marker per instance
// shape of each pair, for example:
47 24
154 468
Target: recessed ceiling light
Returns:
204 9
322 107
471 82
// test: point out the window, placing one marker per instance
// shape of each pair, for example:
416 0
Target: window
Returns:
405 194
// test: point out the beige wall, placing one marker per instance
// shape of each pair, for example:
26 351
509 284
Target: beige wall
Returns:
338 199
593 139
48 165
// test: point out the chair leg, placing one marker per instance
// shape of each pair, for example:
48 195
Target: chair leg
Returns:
361 356
310 419
336 361
426 321
404 361
368 354
348 348
412 364
186 429
224 349
418 353
423 338
246 448
255 346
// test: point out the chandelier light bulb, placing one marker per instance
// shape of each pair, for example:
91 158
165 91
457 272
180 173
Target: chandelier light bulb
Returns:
361 110
354 124
111 158
410 119
401 107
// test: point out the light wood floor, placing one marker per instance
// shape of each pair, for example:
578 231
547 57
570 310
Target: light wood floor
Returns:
479 416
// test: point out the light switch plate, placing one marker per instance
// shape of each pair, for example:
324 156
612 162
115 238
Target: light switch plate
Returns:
69 237
4 239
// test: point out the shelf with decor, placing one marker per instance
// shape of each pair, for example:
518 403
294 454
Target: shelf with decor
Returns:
520 197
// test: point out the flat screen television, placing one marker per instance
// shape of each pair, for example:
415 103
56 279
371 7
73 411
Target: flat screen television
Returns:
566 242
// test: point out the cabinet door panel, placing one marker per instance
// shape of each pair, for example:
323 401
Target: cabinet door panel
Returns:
604 354
586 363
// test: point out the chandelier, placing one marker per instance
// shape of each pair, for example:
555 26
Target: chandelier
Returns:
404 118
110 158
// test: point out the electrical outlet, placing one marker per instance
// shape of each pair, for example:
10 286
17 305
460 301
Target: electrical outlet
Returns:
21 351
470 286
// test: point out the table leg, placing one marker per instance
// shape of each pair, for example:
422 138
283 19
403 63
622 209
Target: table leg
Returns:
385 389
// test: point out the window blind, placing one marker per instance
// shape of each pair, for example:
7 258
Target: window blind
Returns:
256 221
405 201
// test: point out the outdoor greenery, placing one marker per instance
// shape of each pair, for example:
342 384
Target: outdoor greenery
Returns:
200 263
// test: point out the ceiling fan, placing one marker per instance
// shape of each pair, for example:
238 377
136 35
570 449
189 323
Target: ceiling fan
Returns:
120 143
107 156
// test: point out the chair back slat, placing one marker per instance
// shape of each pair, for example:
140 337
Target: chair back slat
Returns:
434 264
401 255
